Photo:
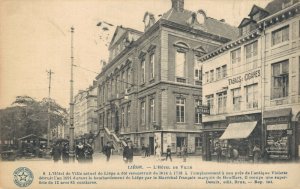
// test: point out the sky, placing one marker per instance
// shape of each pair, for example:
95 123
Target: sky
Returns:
35 37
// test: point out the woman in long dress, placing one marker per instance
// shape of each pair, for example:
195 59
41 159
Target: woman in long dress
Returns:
158 153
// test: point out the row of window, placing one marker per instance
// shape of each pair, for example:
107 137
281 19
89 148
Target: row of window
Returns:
251 55
250 58
181 110
279 89
221 99
117 84
151 68
180 68
151 110
221 73
125 113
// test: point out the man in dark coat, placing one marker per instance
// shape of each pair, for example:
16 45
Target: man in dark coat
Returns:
56 152
168 153
147 151
107 150
128 153
218 151
65 152
143 150
184 152
88 152
80 152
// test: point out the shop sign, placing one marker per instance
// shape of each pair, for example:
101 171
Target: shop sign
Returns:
247 76
203 109
277 127
243 118
277 120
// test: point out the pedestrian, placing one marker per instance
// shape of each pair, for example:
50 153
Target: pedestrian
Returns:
158 153
128 153
184 153
168 153
143 150
80 152
265 155
56 152
229 153
88 152
107 150
218 152
256 153
65 153
147 151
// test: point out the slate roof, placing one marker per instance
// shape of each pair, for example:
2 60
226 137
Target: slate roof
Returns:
245 21
276 6
255 9
210 25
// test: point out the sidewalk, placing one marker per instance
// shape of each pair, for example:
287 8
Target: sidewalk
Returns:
139 159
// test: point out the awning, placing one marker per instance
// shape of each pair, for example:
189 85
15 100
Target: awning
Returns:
238 130
284 112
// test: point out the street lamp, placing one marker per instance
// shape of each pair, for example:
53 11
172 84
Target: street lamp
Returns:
71 151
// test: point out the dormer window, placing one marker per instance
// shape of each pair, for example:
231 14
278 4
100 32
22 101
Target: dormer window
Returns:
148 20
246 26
201 16
257 13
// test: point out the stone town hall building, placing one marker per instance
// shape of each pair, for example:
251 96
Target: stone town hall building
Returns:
151 84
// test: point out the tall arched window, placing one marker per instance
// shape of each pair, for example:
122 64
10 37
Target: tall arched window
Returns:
180 61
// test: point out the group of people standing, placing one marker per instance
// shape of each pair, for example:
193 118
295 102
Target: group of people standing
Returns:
84 152
127 151
145 150
232 153
60 151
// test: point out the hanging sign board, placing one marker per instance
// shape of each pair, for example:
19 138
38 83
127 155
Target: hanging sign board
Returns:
203 109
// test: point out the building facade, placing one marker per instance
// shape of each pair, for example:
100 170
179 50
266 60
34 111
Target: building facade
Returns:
149 90
85 117
251 86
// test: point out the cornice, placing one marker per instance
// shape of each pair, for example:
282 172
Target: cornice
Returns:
232 44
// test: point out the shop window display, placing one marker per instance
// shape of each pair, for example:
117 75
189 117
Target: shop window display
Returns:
277 144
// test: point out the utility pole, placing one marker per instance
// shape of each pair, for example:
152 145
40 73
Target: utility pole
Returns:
49 105
72 151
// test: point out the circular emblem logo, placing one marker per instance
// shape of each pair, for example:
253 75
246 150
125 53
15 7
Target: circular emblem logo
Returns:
23 177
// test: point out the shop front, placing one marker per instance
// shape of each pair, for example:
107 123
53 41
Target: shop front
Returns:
210 141
236 141
163 139
177 140
212 131
279 132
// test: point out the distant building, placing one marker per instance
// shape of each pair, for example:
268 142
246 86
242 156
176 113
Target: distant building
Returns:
150 89
85 117
251 85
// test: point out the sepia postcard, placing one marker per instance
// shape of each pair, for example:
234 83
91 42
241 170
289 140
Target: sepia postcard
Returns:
150 94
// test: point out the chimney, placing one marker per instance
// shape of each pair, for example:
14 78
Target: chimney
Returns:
178 5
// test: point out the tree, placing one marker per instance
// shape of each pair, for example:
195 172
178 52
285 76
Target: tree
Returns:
29 116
